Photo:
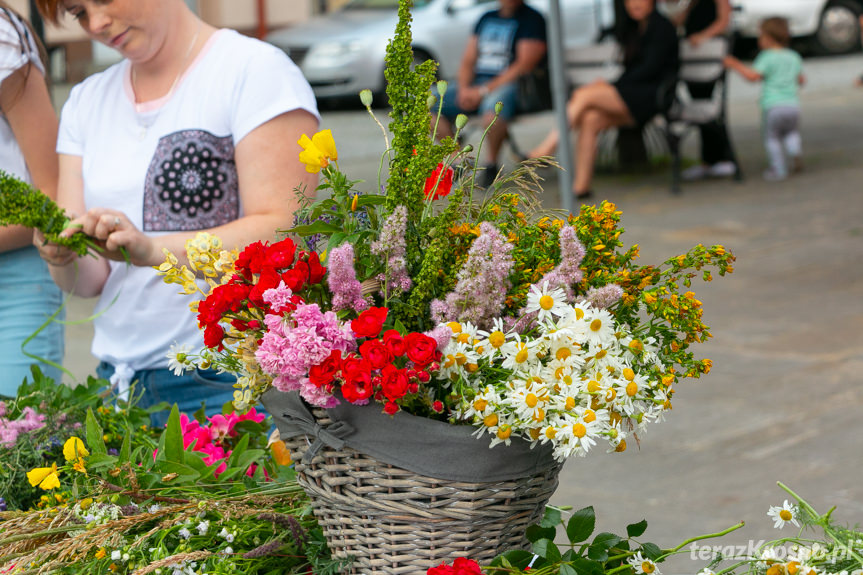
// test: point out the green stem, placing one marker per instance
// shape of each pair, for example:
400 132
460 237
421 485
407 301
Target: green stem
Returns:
478 154
45 533
722 533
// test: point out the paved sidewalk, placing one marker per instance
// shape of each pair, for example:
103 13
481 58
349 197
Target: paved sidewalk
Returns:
784 399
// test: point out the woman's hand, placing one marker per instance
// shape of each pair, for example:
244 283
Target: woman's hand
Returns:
53 254
113 232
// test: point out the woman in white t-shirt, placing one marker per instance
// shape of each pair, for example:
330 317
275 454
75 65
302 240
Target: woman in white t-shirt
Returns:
28 133
196 129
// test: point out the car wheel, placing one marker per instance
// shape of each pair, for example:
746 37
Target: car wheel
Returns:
839 28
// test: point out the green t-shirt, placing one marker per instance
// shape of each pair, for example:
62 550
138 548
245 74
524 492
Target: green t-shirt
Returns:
780 70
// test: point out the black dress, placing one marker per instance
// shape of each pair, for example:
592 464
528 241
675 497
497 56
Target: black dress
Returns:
651 60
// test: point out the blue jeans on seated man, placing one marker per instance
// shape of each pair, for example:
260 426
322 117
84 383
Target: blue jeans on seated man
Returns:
506 94
188 391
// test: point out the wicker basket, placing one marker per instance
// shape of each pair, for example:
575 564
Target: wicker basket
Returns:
394 521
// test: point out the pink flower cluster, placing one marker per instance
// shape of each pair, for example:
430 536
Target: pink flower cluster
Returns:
293 344
567 273
213 439
391 246
342 280
10 429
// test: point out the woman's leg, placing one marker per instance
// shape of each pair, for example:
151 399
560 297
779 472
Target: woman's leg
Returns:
592 123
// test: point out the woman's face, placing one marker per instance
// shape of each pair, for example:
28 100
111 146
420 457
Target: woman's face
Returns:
639 10
135 28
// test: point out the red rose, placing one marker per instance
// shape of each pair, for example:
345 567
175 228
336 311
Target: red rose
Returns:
377 354
391 408
442 569
358 382
394 342
268 279
250 260
280 255
316 270
420 348
462 566
295 279
325 372
213 336
443 182
437 406
370 322
394 382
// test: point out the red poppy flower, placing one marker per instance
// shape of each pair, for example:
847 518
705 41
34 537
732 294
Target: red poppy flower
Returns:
444 186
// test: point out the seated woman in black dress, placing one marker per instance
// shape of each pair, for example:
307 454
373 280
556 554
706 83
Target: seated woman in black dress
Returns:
650 58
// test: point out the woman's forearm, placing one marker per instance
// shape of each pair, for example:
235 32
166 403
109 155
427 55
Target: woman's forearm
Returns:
15 237
85 276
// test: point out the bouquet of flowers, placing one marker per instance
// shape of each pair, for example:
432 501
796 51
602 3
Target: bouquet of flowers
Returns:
432 297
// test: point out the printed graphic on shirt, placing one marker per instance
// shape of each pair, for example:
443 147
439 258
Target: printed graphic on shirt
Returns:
495 44
191 183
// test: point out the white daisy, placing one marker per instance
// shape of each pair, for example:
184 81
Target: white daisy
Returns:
787 513
643 565
178 360
548 303
600 327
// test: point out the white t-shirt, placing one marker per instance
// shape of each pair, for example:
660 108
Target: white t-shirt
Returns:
170 168
17 48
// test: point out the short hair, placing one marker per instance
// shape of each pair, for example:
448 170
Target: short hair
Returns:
777 29
50 10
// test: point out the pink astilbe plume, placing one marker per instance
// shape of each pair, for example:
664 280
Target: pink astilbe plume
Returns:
391 246
483 282
342 280
567 273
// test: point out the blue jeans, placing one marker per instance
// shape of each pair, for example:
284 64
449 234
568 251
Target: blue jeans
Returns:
506 94
28 296
187 391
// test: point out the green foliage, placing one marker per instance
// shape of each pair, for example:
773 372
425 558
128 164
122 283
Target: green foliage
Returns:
21 204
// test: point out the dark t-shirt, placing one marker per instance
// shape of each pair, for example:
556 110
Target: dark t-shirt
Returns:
497 38
702 15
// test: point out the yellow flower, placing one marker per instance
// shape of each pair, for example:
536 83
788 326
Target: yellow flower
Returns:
44 477
74 449
101 553
318 151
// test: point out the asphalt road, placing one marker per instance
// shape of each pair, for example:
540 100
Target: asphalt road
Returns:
785 397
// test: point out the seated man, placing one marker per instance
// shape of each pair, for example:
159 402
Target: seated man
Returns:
507 43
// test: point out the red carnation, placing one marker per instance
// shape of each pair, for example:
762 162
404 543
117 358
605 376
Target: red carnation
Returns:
376 353
325 372
268 279
420 348
295 278
280 255
394 382
370 322
316 270
250 260
394 342
444 186
213 336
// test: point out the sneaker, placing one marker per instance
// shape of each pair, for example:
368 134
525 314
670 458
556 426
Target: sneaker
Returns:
485 178
722 169
773 176
697 172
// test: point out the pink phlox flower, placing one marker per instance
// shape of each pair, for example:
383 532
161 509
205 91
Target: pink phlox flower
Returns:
342 280
213 453
201 436
222 426
280 298
317 396
252 415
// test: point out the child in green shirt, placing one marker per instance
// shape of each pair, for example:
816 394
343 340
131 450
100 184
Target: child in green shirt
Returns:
780 70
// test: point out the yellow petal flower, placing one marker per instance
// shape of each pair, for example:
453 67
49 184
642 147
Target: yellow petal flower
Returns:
318 151
44 477
74 449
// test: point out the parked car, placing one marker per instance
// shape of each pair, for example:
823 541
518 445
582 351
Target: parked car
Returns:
343 52
831 26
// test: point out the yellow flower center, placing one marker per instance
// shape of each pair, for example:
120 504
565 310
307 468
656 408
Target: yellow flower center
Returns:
631 389
521 356
648 567
596 325
496 339
460 358
531 400
579 313
480 404
471 367
570 403
610 395
592 386
546 302
792 567
601 353
504 432
463 337
454 326
579 430
550 432
785 515
539 415
628 374
450 361
589 415
534 433
490 420
563 353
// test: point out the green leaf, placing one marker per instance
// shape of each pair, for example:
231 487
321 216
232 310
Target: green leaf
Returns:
126 448
567 569
371 200
584 566
534 533
547 549
173 437
636 529
651 551
93 433
581 525
551 517
598 550
400 327
98 461
185 474
318 227
517 557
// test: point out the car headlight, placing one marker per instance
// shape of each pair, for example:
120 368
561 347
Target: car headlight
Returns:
332 53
